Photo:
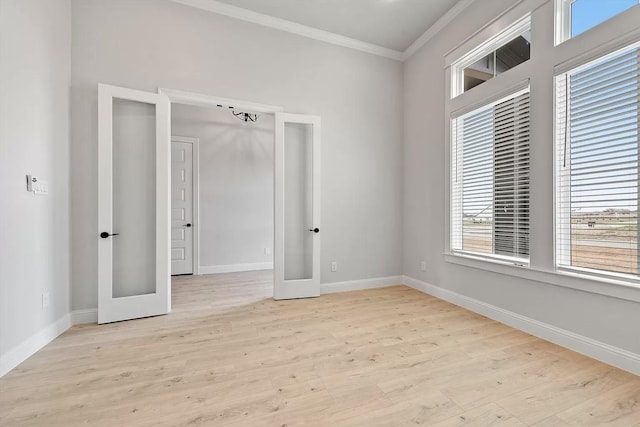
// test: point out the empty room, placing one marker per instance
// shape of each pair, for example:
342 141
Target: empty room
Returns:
320 213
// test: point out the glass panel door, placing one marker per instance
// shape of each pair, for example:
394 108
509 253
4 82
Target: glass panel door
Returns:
133 204
297 209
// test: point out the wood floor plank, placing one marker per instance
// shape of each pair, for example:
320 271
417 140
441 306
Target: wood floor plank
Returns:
536 403
229 355
482 416
616 407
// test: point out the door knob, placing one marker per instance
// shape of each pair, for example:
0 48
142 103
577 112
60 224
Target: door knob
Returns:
104 234
188 225
315 230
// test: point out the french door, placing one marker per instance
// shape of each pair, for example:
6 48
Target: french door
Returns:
133 204
297 206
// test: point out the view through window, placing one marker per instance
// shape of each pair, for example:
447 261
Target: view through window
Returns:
586 14
504 58
490 188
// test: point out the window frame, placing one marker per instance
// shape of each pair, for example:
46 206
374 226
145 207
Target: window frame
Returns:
562 222
456 221
563 20
491 45
547 60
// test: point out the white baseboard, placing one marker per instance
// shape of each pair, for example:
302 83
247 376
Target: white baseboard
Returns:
31 345
234 268
358 285
606 353
80 317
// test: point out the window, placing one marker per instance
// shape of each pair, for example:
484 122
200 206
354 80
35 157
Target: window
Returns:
490 180
597 146
504 58
577 16
555 187
503 52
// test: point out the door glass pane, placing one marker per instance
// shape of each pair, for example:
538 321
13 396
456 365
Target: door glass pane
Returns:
298 202
134 198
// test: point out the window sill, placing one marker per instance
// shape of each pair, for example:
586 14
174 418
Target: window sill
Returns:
566 279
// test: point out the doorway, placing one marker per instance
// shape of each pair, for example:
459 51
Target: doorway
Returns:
296 195
232 227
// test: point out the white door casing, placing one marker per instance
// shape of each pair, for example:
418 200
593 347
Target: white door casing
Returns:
114 304
182 206
297 225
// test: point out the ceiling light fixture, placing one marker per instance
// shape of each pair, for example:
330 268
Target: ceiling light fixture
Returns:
246 117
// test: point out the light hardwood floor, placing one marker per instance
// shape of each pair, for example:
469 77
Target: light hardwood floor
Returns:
229 355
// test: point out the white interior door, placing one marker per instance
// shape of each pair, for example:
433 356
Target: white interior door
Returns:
133 204
297 206
182 225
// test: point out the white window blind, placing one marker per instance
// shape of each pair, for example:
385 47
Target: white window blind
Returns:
490 180
597 126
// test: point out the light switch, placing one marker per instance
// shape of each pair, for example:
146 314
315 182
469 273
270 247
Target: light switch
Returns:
37 186
41 187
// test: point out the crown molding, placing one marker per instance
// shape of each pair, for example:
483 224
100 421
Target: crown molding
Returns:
291 27
436 28
236 12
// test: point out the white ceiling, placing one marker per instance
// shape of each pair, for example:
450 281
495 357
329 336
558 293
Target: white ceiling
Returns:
393 24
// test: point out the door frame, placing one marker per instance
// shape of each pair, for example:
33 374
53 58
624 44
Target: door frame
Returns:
195 191
199 100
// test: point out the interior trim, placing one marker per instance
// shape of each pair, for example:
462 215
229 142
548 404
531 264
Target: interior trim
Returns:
291 27
33 344
234 268
436 28
598 350
359 285
236 12
200 100
567 279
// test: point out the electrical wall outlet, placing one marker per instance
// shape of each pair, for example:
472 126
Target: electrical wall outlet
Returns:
423 265
46 299
334 266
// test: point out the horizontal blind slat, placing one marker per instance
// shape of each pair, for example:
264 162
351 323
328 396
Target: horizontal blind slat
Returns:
490 190
597 166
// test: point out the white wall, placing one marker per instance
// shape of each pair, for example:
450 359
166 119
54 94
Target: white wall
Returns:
35 39
146 44
610 320
236 184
